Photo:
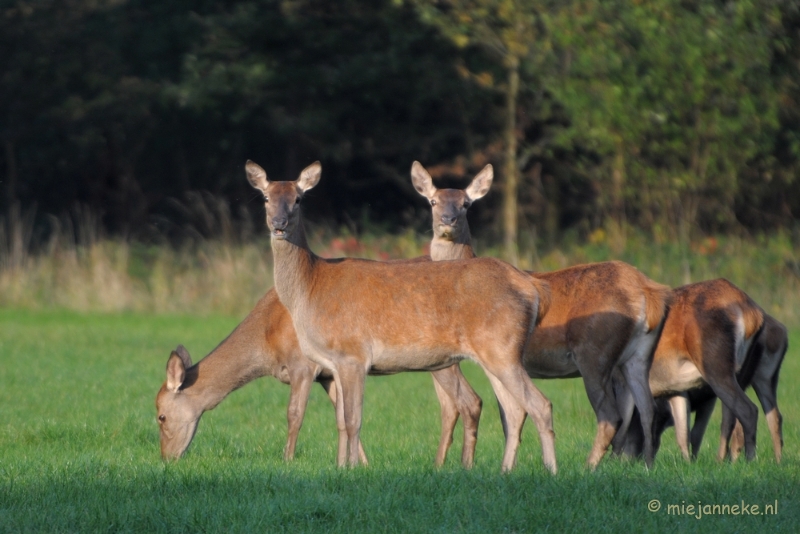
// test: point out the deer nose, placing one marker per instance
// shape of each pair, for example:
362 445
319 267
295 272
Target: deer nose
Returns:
280 223
449 220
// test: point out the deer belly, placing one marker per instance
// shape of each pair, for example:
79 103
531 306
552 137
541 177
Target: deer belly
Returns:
674 377
390 361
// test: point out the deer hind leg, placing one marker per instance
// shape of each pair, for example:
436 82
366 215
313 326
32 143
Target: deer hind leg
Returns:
735 405
520 388
679 406
636 371
627 440
601 396
767 391
330 388
456 397
512 416
702 416
300 384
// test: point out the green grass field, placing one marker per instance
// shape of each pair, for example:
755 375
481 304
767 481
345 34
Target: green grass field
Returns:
79 451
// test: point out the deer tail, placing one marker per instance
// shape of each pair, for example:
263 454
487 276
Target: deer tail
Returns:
657 297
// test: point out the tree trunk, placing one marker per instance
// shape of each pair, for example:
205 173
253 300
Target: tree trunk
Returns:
510 220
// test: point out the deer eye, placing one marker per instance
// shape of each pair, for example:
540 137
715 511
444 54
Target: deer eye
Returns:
467 204
433 202
162 418
297 201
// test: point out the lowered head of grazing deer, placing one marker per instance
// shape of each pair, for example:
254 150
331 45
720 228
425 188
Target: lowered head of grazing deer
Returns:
178 415
451 237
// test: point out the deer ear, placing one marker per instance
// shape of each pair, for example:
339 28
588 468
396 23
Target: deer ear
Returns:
256 176
481 183
176 371
422 180
309 177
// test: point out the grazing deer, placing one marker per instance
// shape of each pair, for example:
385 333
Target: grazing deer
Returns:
711 332
357 316
602 317
760 369
265 344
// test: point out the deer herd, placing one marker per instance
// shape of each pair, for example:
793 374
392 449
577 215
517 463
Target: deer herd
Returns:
648 355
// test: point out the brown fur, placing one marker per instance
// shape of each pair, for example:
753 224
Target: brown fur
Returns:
353 316
705 342
593 314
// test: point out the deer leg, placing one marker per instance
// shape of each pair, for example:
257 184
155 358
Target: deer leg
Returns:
735 405
702 416
521 389
626 441
679 406
330 388
300 384
636 371
456 397
512 415
601 397
352 376
767 391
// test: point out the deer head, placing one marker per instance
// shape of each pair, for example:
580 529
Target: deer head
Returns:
283 212
178 413
449 206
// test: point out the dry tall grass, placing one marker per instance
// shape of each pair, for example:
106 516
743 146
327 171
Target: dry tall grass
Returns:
75 267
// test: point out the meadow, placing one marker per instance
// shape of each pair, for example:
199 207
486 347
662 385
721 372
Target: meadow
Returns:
79 450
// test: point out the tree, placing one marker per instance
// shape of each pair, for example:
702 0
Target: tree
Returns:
674 97
512 32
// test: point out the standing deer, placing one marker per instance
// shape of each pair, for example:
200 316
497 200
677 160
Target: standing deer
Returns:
602 317
760 369
707 339
357 316
265 344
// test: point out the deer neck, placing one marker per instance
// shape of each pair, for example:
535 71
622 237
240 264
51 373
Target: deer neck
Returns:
293 264
457 248
238 360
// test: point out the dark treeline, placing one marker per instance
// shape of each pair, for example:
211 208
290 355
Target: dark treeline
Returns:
673 116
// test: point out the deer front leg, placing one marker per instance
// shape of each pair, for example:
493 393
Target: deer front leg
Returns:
330 388
456 397
352 376
300 384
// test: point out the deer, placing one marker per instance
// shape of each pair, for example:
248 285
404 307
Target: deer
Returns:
711 331
265 344
354 316
602 317
761 369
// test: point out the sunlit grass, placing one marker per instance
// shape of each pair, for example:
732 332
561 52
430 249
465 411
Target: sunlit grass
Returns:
79 450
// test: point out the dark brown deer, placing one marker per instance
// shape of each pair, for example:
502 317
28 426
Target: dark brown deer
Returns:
709 334
602 317
358 316
760 369
265 344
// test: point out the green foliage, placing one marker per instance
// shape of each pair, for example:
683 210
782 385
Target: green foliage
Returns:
676 97
80 450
